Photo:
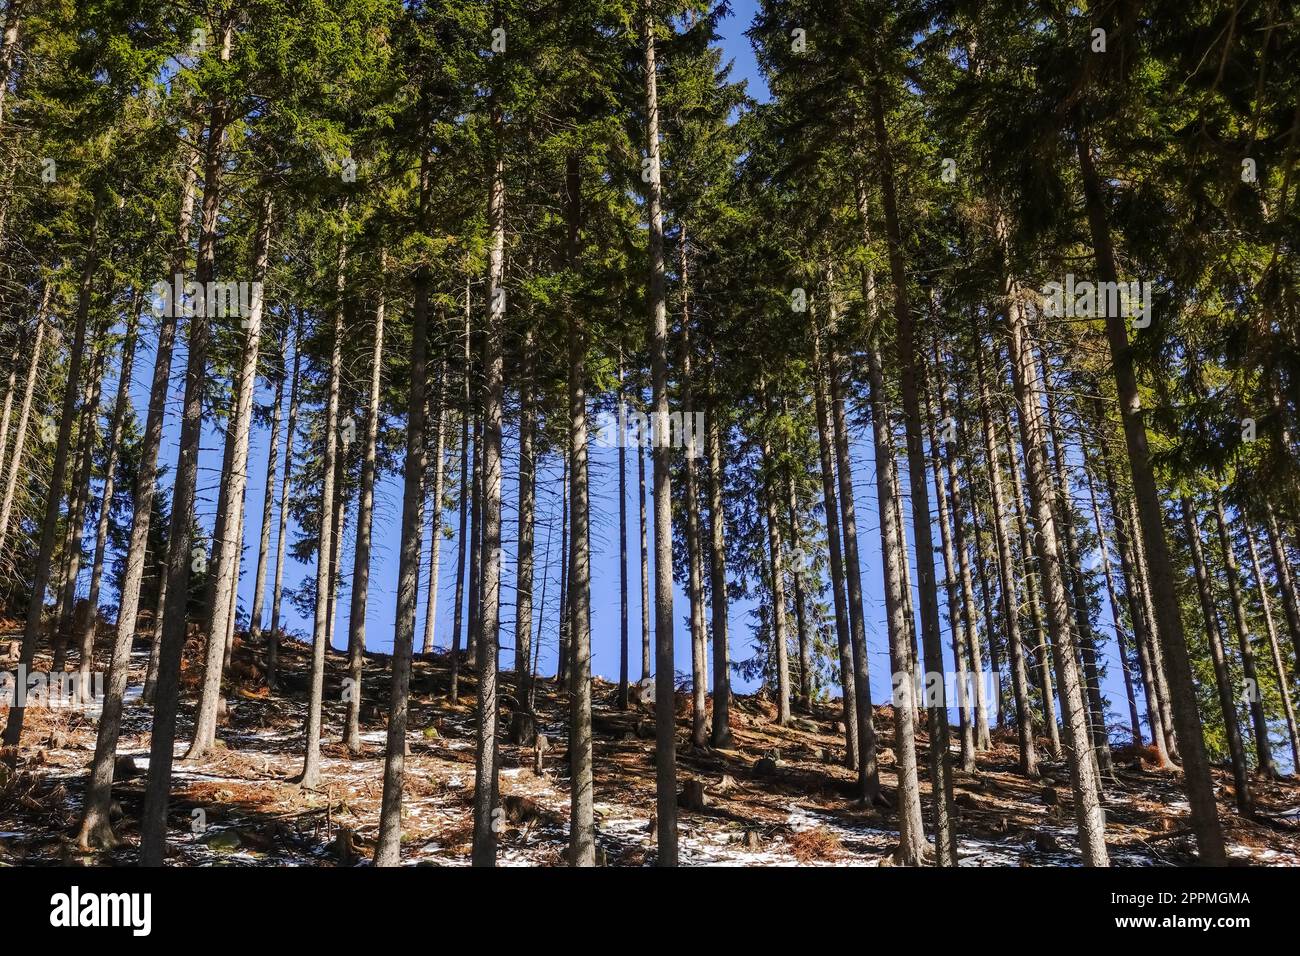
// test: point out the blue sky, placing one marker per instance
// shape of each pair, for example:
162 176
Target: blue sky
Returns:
604 528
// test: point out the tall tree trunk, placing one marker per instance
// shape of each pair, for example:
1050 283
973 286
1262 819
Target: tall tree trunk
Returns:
694 557
24 417
365 515
721 730
228 529
153 824
776 570
911 831
435 509
1079 754
868 771
1281 566
268 506
388 845
830 500
802 613
1135 722
9 48
1138 618
641 445
956 618
908 344
582 830
523 730
623 649
462 534
1222 676
277 579
120 403
1259 720
1086 640
657 336
1275 651
1007 581
1187 721
309 779
50 520
73 543
96 829
1033 580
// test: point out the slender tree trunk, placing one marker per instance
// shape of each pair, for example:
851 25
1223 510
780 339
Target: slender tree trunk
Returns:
582 831
802 613
830 500
388 845
1007 581
9 48
309 779
96 829
524 730
1135 722
120 404
24 417
50 520
1033 579
462 536
1086 640
435 508
1279 668
1138 618
73 543
721 731
956 619
911 831
268 508
365 515
1079 754
645 557
694 557
657 335
228 529
277 579
908 344
776 569
1263 748
1281 566
623 649
485 773
1196 768
1222 676
868 771
153 825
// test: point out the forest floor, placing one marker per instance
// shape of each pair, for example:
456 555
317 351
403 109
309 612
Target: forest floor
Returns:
779 796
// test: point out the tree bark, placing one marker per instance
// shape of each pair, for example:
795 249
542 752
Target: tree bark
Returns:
485 767
657 334
24 417
1196 768
388 845
1265 764
50 520
1007 581
228 530
908 344
365 516
153 824
1222 676
277 579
